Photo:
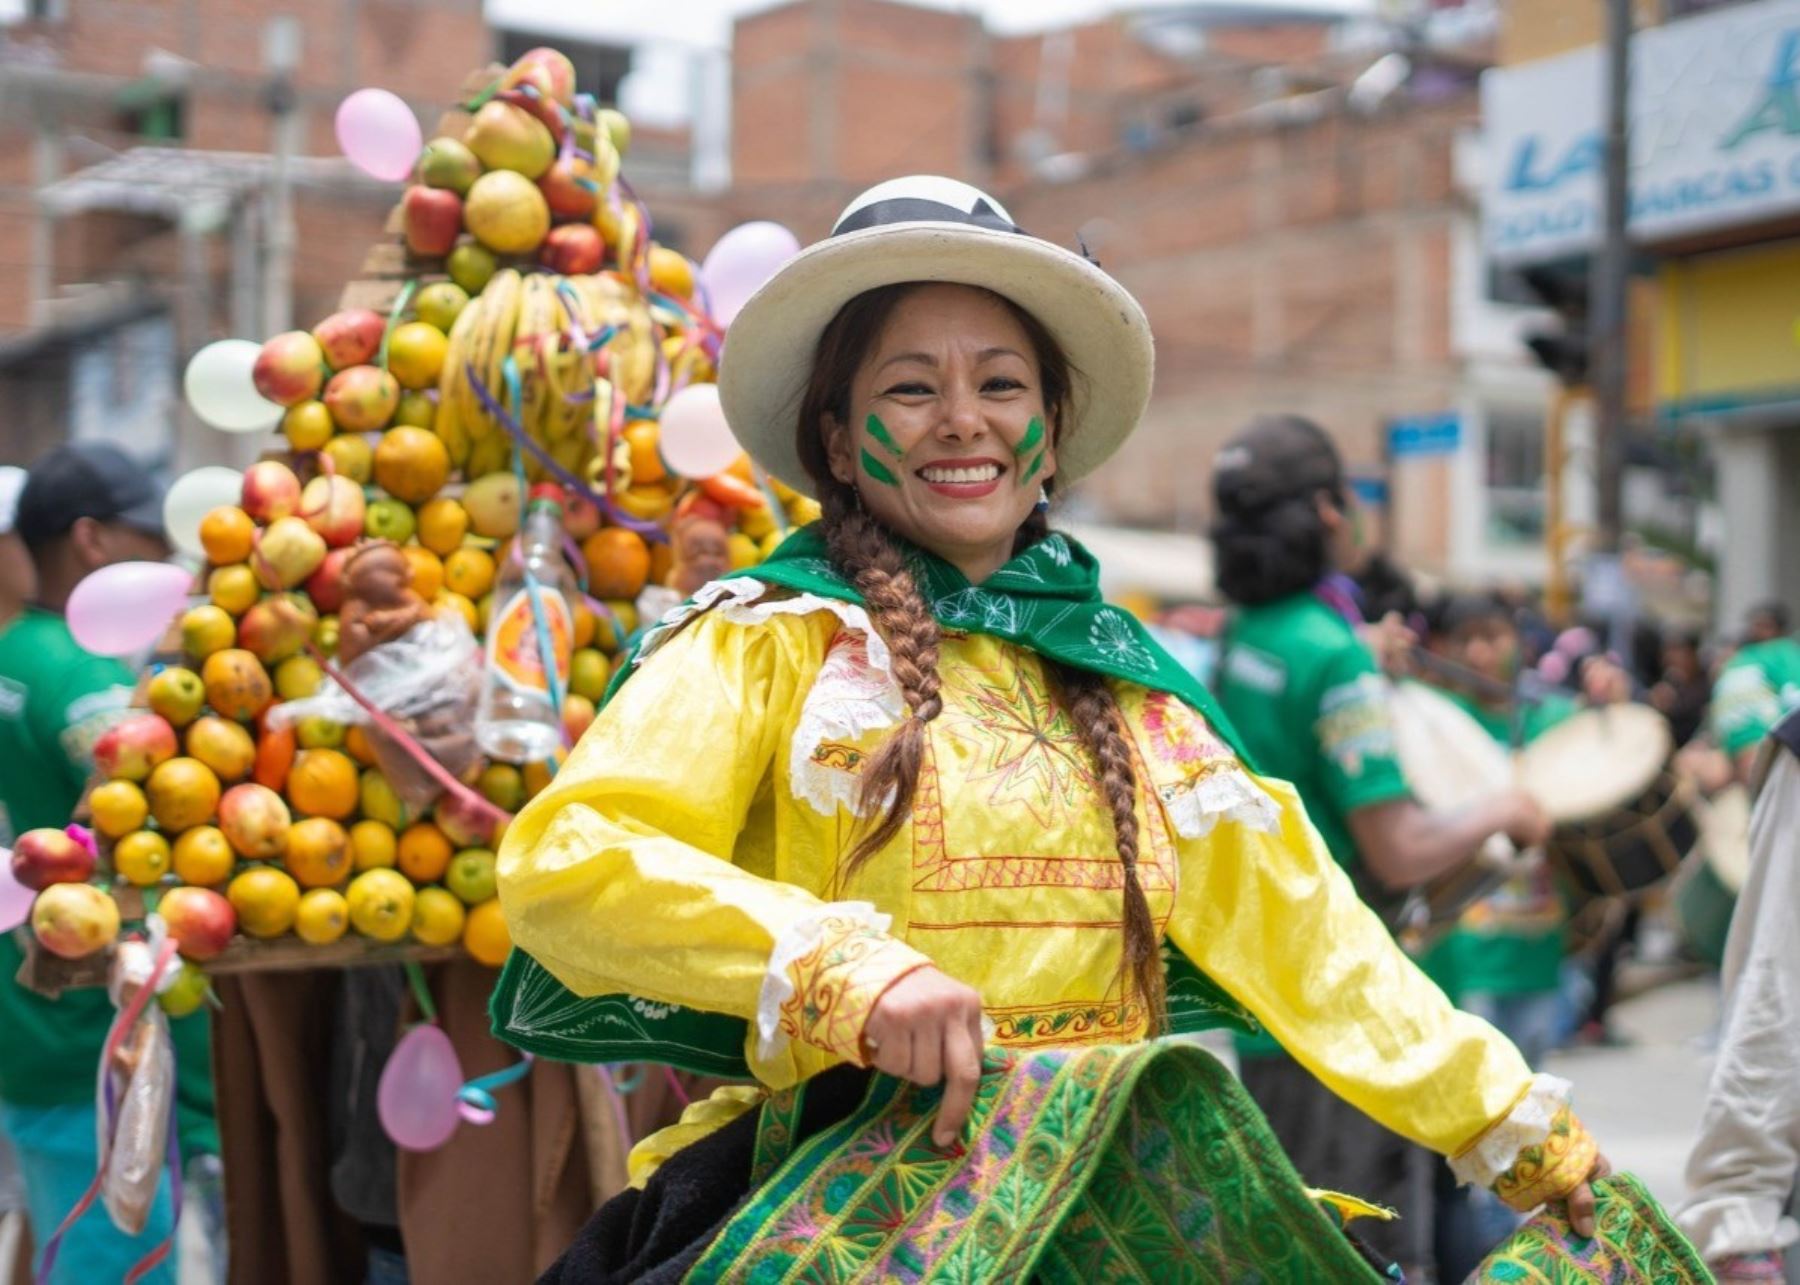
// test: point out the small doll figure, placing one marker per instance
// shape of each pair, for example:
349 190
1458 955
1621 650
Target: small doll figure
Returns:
702 554
379 605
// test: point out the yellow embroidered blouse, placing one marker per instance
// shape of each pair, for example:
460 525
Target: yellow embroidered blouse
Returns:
688 851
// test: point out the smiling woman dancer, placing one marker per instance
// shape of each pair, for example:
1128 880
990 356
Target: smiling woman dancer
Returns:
911 797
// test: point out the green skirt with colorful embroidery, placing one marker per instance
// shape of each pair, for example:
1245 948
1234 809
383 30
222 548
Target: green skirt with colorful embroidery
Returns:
1144 1163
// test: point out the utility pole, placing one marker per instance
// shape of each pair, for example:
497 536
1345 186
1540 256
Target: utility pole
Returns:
1611 272
281 58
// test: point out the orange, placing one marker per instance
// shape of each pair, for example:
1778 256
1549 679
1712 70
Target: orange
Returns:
618 563
744 551
437 917
119 807
650 503
323 783
265 900
206 629
322 918
308 426
225 534
536 775
183 792
585 624
670 271
203 857
642 436
424 852
353 457
237 685
416 354
447 601
142 857
224 746
469 572
485 935
589 673
443 523
381 904
372 844
356 744
317 853
662 561
411 464
235 588
428 571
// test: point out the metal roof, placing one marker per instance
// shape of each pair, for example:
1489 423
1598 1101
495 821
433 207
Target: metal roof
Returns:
174 182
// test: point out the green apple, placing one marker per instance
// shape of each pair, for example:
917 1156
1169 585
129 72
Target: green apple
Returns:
438 303
448 163
416 410
390 519
471 265
317 733
186 994
471 876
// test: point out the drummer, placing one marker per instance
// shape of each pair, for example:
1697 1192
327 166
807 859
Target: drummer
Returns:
1757 686
1307 694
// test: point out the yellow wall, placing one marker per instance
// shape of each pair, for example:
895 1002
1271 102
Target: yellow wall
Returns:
1730 327
1533 29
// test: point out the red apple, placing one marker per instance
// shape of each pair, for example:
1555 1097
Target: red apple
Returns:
290 368
288 553
44 857
199 919
464 823
570 188
74 920
351 337
326 585
581 518
548 70
277 627
433 219
270 491
132 747
573 249
362 398
333 506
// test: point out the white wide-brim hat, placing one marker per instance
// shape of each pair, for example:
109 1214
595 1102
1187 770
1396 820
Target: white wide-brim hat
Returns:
927 228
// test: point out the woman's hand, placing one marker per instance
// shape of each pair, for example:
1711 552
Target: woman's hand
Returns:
1581 1200
1392 642
1527 824
927 1028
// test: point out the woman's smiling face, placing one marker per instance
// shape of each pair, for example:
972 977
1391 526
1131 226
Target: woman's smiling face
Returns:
948 441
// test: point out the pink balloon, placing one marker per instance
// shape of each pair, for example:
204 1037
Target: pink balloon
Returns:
741 261
416 1098
125 607
379 134
695 440
15 897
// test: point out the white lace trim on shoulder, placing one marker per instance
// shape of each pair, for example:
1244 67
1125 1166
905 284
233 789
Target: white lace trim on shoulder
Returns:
1226 794
1526 1125
795 940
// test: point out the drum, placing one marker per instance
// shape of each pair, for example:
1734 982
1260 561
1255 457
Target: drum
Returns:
1705 892
1450 761
1624 818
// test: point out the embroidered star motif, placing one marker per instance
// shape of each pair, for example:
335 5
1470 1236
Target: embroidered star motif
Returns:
1026 744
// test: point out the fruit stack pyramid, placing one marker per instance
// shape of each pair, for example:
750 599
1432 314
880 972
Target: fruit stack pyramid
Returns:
524 326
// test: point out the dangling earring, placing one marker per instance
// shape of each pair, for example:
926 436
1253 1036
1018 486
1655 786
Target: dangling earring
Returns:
1043 501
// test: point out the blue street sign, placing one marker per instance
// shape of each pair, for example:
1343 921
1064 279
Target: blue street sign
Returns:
1372 491
1416 435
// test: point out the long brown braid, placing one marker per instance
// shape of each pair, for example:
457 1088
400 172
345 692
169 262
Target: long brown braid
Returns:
864 553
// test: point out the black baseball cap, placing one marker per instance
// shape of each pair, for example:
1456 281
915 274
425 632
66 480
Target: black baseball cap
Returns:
1275 458
87 480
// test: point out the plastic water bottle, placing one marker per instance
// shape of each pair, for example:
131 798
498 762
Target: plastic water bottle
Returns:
518 719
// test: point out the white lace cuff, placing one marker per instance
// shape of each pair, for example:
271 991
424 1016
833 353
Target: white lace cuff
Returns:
1225 793
1526 1125
826 972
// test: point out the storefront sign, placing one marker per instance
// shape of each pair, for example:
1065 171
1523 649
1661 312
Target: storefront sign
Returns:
1715 123
1424 435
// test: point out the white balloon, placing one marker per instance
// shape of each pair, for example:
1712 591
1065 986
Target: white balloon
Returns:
192 497
694 439
220 389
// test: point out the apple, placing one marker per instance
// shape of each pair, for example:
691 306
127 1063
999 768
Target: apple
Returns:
548 70
334 508
617 128
290 552
362 398
466 823
186 993
255 821
200 920
492 502
289 368
573 249
432 217
44 857
508 137
131 748
177 694
277 627
578 716
569 185
581 517
471 265
270 491
326 585
439 304
351 337
390 519
448 164
74 920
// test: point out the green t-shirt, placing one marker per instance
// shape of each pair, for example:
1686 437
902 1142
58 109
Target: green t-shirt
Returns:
1511 942
55 701
1309 701
1756 687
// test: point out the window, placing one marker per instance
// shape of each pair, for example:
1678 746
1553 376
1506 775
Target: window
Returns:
598 68
1514 480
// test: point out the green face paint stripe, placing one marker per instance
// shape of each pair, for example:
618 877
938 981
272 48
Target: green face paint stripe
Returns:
1031 472
878 431
877 470
1034 433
